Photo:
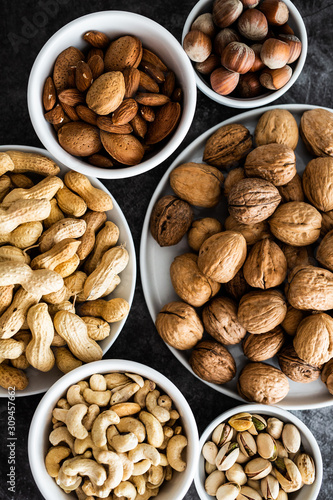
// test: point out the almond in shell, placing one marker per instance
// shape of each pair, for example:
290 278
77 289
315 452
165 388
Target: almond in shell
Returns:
125 52
79 138
106 93
67 58
165 121
126 149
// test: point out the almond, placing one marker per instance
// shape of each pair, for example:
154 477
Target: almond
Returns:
153 71
95 52
177 95
67 58
106 93
169 84
165 121
125 113
105 123
147 113
83 76
72 97
139 126
71 77
132 81
125 52
49 94
150 99
79 139
86 114
97 39
125 149
147 83
100 161
150 57
70 112
96 65
55 115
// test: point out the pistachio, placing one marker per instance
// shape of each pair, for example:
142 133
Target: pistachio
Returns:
274 427
228 491
259 422
280 450
266 446
227 456
291 438
246 443
214 481
242 459
209 451
258 468
209 468
306 467
270 487
248 493
254 484
222 434
241 421
288 475
282 495
236 474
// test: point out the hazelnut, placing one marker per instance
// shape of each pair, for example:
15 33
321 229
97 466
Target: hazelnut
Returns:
238 57
276 11
274 162
264 346
295 368
223 38
252 24
220 321
266 265
262 383
285 29
318 183
225 12
292 320
295 46
207 67
277 126
201 230
292 191
235 175
170 220
250 4
249 85
275 79
197 45
274 53
205 24
261 311
258 64
313 341
223 81
212 362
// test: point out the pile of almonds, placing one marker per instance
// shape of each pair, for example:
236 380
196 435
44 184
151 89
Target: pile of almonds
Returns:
244 46
263 278
115 104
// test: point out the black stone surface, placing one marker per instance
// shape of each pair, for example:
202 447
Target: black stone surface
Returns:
24 28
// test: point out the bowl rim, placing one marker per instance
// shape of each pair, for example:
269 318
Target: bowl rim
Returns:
272 411
254 102
75 163
42 414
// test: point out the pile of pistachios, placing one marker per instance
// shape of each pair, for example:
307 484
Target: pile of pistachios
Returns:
251 458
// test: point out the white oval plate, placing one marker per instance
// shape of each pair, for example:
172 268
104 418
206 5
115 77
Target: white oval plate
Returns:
155 263
39 381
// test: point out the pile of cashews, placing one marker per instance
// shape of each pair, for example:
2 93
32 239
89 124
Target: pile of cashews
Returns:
115 436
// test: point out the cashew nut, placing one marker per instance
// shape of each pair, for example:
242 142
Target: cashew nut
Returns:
63 403
162 414
164 461
154 430
54 457
128 466
148 494
97 382
83 385
74 395
74 421
85 467
144 450
115 379
123 395
68 483
110 432
81 494
165 401
174 416
126 489
168 433
62 435
141 467
102 422
60 414
124 442
130 424
140 484
174 452
137 378
115 472
81 445
140 396
126 409
168 473
96 397
155 476
88 420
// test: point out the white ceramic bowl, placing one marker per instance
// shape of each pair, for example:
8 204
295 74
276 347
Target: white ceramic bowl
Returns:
39 381
114 24
309 444
40 427
297 24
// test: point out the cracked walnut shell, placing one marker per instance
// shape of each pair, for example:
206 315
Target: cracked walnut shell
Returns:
316 129
260 312
266 265
277 126
228 145
262 383
314 339
212 362
170 220
318 183
274 162
310 288
220 321
201 230
264 346
295 368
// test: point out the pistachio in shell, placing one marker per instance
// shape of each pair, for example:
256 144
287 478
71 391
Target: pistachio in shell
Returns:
258 468
275 427
318 183
292 191
222 434
262 383
264 346
229 491
316 129
201 230
236 474
247 444
214 481
248 493
274 162
327 375
220 321
288 475
251 232
270 487
227 456
266 265
295 368
277 126
261 311
266 446
212 362
306 466
79 138
170 219
241 421
310 288
228 145
313 341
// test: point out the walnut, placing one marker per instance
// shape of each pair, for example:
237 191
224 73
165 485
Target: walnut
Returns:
277 126
212 362
238 286
318 183
292 191
316 130
260 312
222 255
220 321
170 220
310 288
228 145
201 230
189 283
292 320
297 256
262 383
263 346
251 232
266 265
325 251
197 183
179 325
235 175
327 375
296 223
274 162
295 368
253 200
327 222
313 341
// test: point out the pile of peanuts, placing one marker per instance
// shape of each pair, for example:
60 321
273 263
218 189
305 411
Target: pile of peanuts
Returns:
53 265
115 437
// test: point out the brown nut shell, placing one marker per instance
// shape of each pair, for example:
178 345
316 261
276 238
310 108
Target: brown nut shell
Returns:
327 375
314 339
228 145
277 126
260 312
201 230
170 220
274 162
310 288
292 320
292 191
125 52
251 232
238 286
326 223
264 346
325 251
213 362
266 265
316 129
220 321
235 175
262 383
318 183
79 138
295 368
297 256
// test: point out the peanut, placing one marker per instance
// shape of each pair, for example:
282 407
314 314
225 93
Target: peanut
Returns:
70 203
68 267
113 285
12 377
65 360
6 163
96 199
23 236
46 189
32 162
6 297
55 214
21 362
10 253
73 285
21 181
62 306
23 211
105 239
39 282
97 328
112 310
13 318
5 185
11 349
94 221
61 252
65 228
38 352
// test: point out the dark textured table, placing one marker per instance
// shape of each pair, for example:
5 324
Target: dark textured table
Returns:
25 27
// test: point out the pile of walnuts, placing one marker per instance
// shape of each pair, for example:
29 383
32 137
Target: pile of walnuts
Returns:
265 279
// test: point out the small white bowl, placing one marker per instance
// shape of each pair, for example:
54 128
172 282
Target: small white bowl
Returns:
114 24
297 24
309 444
40 427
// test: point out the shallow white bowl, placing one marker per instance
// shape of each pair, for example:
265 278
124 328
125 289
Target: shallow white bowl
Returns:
41 427
114 24
297 24
39 381
309 444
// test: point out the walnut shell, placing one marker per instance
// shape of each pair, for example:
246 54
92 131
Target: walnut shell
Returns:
277 126
296 223
326 223
262 383
179 325
274 162
260 312
313 341
295 368
318 183
170 220
264 346
251 232
235 175
238 286
292 320
325 251
292 191
189 283
327 375
213 362
266 265
310 288
220 321
316 129
197 183
222 255
201 230
228 145
297 256
253 200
